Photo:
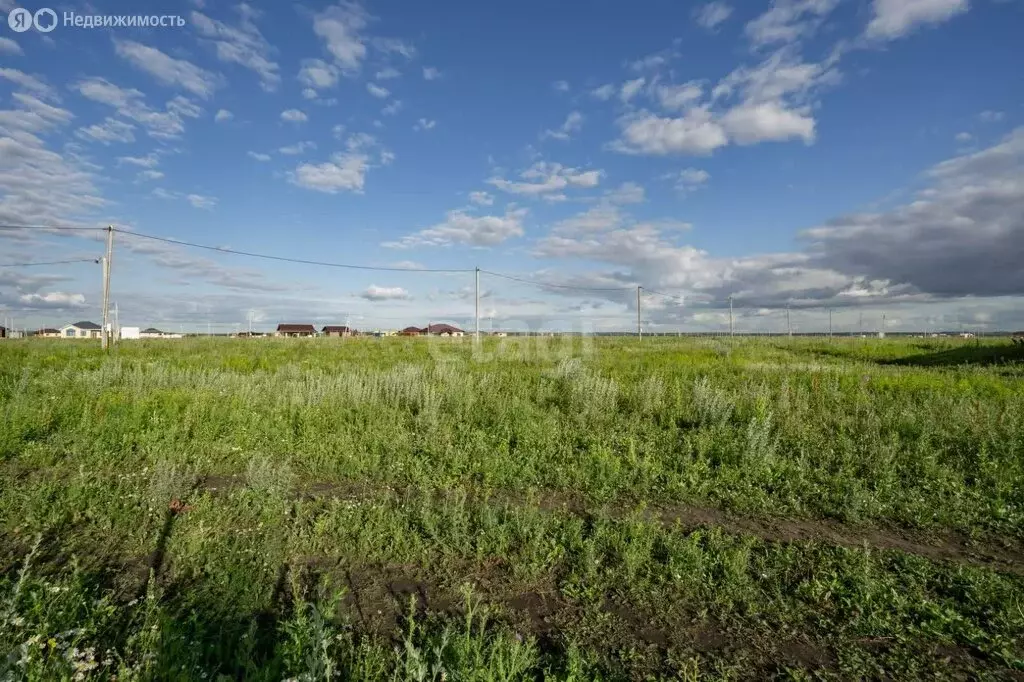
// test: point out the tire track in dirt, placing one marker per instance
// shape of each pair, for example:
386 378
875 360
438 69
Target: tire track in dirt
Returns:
991 552
947 546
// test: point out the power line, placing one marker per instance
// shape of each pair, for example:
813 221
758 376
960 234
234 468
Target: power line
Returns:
303 261
52 262
65 228
285 259
658 293
556 286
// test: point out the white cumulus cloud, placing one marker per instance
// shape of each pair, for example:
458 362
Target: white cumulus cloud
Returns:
294 116
111 130
788 21
376 293
53 299
8 46
340 27
573 123
460 227
709 16
201 201
695 133
318 74
630 89
377 91
297 148
345 172
753 123
167 69
895 18
543 178
241 44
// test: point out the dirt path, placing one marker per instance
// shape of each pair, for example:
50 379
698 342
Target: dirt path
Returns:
999 554
944 546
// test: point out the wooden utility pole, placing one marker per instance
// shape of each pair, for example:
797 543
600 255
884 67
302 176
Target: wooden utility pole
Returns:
730 316
104 340
639 331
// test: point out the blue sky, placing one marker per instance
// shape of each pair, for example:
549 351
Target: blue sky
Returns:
864 156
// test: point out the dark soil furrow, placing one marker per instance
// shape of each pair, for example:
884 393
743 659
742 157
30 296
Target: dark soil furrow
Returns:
992 552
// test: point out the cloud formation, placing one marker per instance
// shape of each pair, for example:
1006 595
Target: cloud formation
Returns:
376 293
545 179
573 123
711 15
895 18
130 104
167 69
770 102
460 227
242 44
961 236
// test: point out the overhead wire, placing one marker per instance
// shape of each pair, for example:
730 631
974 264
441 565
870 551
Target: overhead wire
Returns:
659 293
553 285
65 228
301 261
304 261
351 266
52 262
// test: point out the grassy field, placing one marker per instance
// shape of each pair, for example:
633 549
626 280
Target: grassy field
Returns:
587 509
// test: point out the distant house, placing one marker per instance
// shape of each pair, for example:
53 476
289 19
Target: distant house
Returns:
444 330
499 334
433 330
335 330
1017 338
46 333
966 335
154 333
81 330
295 330
3 332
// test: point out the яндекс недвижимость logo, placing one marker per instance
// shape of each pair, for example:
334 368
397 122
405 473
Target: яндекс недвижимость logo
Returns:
21 20
45 20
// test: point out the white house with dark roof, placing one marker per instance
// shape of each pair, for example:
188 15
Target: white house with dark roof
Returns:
81 330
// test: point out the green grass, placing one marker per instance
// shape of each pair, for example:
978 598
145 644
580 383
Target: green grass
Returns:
405 509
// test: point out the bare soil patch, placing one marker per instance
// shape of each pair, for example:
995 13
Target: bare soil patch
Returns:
993 552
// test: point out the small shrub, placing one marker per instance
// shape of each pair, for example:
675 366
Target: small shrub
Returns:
269 477
713 407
